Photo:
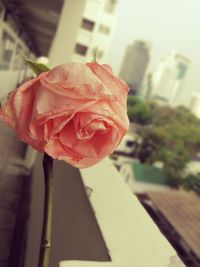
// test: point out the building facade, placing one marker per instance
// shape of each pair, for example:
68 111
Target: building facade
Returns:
134 65
72 30
142 177
96 30
168 79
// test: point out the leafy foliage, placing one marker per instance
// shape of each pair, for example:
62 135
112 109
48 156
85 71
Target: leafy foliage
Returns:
133 100
192 182
139 111
170 135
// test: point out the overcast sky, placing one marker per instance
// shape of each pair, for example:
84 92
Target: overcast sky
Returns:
167 25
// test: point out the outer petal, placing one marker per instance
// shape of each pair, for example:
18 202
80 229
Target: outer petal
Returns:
49 104
17 111
116 86
27 88
7 114
75 80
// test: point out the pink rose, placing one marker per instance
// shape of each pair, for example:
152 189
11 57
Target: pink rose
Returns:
74 112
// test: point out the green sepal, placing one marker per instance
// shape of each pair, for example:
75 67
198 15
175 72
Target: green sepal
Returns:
37 68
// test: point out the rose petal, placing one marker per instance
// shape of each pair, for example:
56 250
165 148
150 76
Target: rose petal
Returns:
56 150
116 86
6 112
75 80
68 135
26 90
107 68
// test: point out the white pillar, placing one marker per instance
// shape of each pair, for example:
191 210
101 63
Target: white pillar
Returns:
63 44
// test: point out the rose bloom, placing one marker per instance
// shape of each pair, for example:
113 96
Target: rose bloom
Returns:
74 112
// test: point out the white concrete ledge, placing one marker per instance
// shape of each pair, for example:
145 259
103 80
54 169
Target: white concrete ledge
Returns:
85 264
130 235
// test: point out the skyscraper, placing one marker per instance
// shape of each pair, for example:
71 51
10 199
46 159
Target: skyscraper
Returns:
169 78
194 105
134 65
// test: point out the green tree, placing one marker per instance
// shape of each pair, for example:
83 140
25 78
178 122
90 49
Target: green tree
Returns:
173 138
139 111
133 100
192 182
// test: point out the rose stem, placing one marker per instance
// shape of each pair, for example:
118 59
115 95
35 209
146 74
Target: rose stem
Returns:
47 219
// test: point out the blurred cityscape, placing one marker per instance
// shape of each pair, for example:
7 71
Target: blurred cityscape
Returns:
158 159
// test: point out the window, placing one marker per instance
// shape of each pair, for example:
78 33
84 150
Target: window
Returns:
104 29
6 51
81 49
87 24
129 143
110 6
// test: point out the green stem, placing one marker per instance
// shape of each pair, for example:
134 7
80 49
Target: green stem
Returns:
47 219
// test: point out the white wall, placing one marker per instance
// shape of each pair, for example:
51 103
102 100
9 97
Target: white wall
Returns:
63 44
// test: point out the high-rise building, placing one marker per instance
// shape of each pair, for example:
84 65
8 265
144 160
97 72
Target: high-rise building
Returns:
134 65
194 105
168 79
96 30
